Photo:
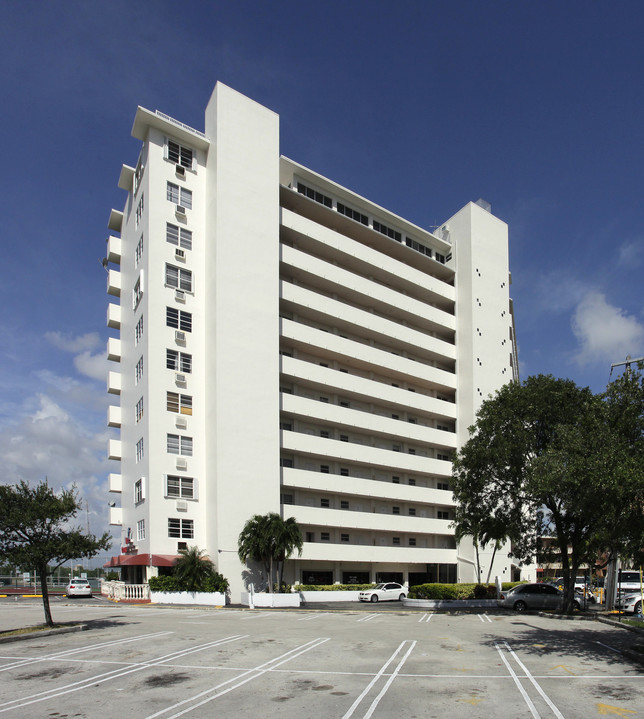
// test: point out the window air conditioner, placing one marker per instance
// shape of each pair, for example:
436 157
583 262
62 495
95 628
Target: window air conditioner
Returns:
182 505
180 295
180 336
180 254
180 378
181 463
180 422
181 170
181 210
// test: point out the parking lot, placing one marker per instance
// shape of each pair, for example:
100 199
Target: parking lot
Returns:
150 661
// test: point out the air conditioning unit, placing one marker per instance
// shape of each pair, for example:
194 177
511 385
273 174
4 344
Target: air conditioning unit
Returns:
182 505
180 295
182 463
181 210
180 254
180 422
180 378
180 336
181 170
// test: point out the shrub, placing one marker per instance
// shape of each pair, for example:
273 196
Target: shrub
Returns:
333 587
480 591
112 577
165 584
214 583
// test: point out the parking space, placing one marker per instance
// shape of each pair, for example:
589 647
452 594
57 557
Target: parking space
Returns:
159 663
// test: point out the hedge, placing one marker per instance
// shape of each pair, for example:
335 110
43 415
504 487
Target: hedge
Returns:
457 591
333 587
214 583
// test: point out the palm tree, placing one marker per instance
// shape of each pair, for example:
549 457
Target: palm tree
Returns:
254 543
193 568
288 538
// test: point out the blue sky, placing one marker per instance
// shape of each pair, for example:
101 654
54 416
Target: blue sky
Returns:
421 106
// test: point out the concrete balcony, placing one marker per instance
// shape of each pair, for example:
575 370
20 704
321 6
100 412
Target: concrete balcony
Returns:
116 516
114 449
343 418
332 346
114 382
114 415
126 178
334 450
369 489
114 349
115 482
114 249
114 283
114 316
115 223
328 552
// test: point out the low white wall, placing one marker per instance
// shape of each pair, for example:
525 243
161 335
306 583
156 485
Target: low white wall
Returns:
214 599
342 596
449 603
264 599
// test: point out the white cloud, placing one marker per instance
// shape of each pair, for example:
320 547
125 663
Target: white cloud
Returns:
629 254
605 332
94 366
69 343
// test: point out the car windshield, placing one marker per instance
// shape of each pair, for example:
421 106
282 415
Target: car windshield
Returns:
379 586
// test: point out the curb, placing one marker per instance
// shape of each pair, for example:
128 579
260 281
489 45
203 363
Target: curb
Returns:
43 633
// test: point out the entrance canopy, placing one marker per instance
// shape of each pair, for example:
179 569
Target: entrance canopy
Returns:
141 560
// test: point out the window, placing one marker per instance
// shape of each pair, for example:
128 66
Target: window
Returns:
344 504
139 450
344 472
137 292
344 438
412 482
138 174
179 444
179 319
179 195
442 485
178 278
412 420
395 480
384 230
444 457
396 447
324 399
444 427
324 502
287 499
286 462
395 540
181 528
344 403
344 537
440 258
324 433
138 411
353 214
325 537
138 331
442 514
139 212
178 236
140 530
180 403
412 512
412 541
286 425
138 371
395 510
178 361
180 487
138 491
314 195
138 253
310 537
418 247
411 451
324 468
179 155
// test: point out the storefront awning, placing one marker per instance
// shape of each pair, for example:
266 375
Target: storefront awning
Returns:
141 560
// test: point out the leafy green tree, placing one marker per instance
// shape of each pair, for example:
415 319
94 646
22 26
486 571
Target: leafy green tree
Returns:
193 569
35 531
266 539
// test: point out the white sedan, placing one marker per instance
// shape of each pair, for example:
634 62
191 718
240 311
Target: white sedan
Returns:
79 588
384 592
630 602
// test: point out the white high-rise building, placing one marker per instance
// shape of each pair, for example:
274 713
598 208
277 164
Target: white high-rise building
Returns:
282 344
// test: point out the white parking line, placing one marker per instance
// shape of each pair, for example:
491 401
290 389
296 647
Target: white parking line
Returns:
309 617
255 673
608 647
256 616
533 681
426 618
108 676
382 670
368 618
483 617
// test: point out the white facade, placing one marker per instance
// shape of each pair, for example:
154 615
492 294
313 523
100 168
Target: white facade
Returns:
284 345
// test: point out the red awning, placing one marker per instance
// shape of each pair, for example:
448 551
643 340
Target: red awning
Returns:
142 560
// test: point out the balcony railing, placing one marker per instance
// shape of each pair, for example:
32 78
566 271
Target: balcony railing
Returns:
122 592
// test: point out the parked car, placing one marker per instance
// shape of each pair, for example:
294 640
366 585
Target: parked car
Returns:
629 603
628 581
384 592
79 588
533 596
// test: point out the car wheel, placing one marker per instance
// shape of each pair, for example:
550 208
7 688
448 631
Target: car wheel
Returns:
638 607
520 606
576 605
401 597
374 598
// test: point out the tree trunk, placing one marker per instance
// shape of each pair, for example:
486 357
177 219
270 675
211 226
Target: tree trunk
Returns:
45 595
489 571
478 562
